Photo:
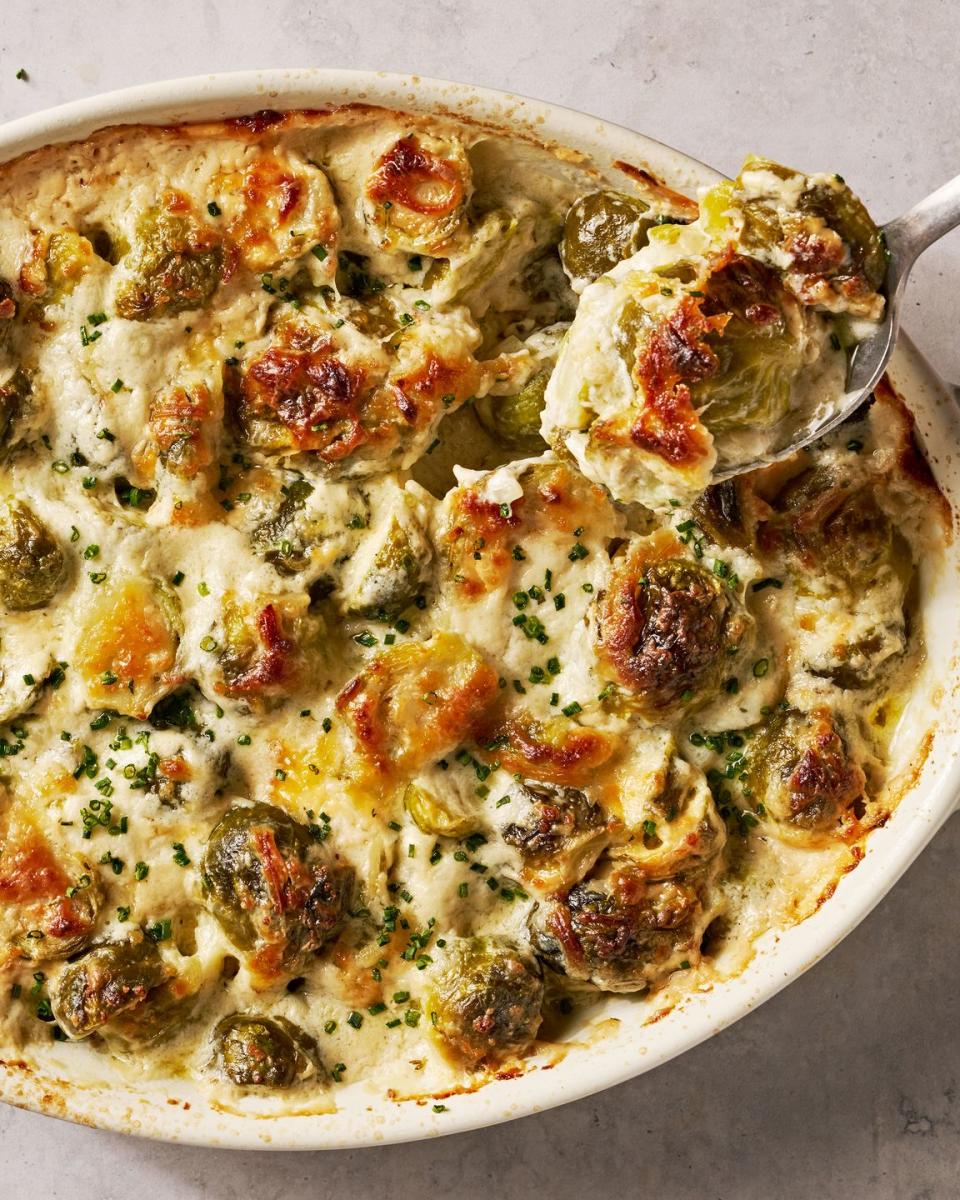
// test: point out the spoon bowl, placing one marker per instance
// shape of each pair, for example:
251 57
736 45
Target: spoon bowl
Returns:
906 238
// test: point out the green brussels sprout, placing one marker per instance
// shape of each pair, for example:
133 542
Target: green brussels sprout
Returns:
388 568
759 353
176 267
392 578
255 1051
725 511
515 420
620 930
109 981
836 251
64 925
271 537
431 815
668 819
665 627
13 398
846 215
799 769
32 567
486 1002
269 648
271 887
69 256
559 832
836 525
600 230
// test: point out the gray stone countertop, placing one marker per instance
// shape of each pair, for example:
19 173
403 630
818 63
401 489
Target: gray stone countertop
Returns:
844 1085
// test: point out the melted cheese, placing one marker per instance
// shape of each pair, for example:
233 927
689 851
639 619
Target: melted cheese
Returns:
257 604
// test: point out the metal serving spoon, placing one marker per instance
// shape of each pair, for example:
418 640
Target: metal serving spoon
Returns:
907 237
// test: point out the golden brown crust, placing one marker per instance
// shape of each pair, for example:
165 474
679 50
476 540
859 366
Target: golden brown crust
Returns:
412 704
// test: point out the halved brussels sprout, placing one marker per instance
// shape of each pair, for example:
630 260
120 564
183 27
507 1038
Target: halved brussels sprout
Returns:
184 425
832 524
559 832
171 1005
620 930
413 703
727 512
836 254
665 626
175 265
32 566
601 229
48 902
515 420
272 887
69 256
300 394
673 831
110 980
486 1001
388 567
845 213
277 208
760 350
273 536
799 768
432 815
620 399
128 647
416 196
558 750
256 1051
266 648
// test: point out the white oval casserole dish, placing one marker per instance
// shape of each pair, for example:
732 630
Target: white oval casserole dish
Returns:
176 1109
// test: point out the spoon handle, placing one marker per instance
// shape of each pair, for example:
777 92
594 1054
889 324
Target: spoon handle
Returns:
919 227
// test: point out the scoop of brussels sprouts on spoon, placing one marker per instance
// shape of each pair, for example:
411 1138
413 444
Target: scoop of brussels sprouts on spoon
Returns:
705 349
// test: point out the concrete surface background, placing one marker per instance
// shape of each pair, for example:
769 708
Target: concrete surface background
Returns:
845 1085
